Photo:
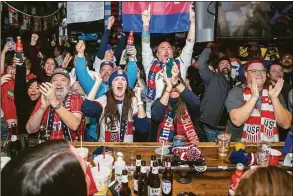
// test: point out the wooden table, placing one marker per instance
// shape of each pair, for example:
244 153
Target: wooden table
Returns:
208 183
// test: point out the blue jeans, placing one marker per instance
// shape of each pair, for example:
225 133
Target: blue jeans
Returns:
212 134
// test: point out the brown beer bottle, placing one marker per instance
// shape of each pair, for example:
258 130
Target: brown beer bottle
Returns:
167 179
143 181
125 190
155 184
136 174
150 174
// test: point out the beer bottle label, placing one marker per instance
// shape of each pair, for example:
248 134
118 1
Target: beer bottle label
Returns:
155 191
155 170
135 185
13 138
124 178
138 163
166 186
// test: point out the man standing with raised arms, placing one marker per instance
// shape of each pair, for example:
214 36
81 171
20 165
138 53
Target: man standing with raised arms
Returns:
153 66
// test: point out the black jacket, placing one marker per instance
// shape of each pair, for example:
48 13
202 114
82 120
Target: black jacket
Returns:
216 90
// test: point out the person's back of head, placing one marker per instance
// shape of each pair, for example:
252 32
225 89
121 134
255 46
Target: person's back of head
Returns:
265 181
44 170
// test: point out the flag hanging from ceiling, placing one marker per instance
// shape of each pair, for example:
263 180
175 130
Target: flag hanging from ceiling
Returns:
166 17
84 11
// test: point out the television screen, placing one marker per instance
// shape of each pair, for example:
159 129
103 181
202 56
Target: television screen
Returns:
254 20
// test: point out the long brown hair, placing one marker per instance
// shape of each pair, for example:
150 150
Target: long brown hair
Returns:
111 114
265 181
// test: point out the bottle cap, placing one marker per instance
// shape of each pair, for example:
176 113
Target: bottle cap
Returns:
138 157
240 166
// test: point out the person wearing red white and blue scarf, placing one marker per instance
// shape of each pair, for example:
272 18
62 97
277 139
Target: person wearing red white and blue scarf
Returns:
255 110
119 112
174 113
154 66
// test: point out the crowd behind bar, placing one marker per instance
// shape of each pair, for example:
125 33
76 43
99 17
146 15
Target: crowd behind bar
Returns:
170 92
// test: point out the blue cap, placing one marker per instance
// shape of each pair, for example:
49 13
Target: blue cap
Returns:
116 74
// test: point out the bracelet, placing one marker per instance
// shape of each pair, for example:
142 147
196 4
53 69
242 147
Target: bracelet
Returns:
167 91
139 103
42 108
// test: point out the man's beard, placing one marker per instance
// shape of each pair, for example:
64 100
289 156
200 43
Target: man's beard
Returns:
62 95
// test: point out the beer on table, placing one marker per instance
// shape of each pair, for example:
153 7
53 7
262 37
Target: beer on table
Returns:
155 183
143 181
136 174
167 179
125 190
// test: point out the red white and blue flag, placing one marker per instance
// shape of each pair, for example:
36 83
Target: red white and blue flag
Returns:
166 17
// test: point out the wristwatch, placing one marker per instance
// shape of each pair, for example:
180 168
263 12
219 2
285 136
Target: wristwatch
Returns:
58 106
177 84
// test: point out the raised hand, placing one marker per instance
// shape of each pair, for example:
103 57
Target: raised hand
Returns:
111 21
97 77
254 89
5 78
146 16
275 92
44 102
191 13
66 60
167 80
48 90
131 51
34 39
80 47
137 92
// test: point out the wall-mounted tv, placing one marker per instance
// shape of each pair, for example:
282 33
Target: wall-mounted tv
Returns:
254 20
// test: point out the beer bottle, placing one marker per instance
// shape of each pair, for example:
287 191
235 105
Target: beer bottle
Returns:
155 184
136 174
125 190
130 39
167 179
150 174
143 181
15 144
19 49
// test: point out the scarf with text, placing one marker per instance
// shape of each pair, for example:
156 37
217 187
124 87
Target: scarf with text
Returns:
117 132
154 69
184 126
261 125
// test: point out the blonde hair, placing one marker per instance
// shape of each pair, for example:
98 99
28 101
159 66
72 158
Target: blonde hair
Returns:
265 181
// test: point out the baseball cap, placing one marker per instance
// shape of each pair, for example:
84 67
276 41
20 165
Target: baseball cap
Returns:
62 71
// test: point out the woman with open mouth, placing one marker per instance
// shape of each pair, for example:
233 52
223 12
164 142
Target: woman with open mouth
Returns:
119 112
176 111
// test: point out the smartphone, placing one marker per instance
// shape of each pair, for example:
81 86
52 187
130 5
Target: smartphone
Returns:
9 41
169 67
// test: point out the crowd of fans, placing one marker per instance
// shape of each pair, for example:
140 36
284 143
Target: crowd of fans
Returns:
195 96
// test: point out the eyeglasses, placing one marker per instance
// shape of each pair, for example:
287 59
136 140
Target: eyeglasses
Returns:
257 71
277 71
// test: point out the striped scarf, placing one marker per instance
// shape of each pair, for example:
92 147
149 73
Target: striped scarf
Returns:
184 127
261 125
154 69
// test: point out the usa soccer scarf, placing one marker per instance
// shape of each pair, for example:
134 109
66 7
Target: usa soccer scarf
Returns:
184 126
261 125
155 68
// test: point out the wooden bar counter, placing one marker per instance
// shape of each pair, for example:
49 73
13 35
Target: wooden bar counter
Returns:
208 183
